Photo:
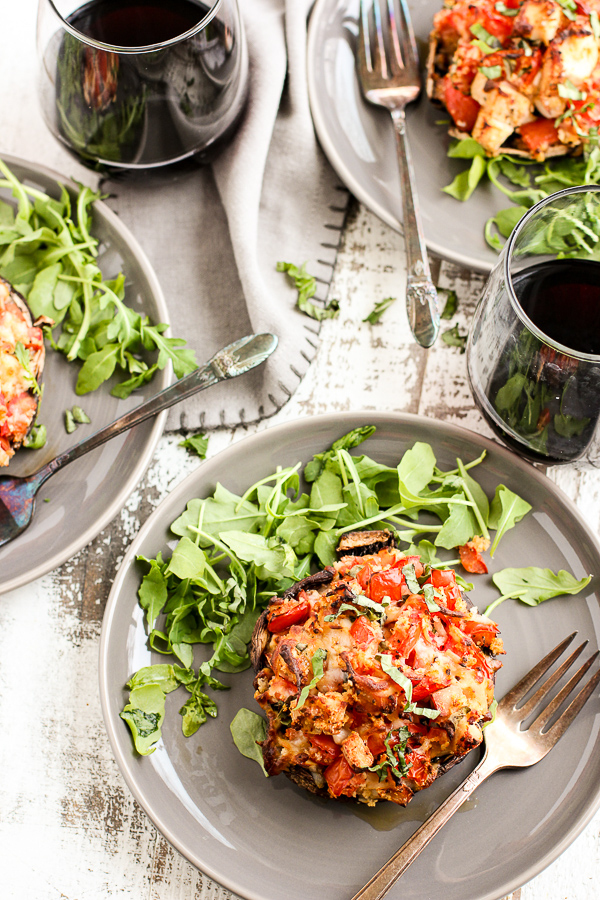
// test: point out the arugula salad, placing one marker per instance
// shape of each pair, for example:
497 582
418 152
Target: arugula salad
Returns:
526 182
50 256
234 553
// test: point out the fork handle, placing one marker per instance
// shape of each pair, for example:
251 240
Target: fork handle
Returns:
421 295
389 873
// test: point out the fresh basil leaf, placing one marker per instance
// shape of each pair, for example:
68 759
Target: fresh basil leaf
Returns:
36 439
410 576
430 598
248 730
396 675
568 91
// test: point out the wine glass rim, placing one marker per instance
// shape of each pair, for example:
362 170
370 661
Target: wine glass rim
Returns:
144 48
508 253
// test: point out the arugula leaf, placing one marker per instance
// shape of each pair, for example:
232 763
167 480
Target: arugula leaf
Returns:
248 730
197 443
306 285
506 510
533 585
378 310
451 304
354 438
454 338
465 182
145 714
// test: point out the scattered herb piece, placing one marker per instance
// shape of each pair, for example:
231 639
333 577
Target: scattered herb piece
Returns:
316 663
196 443
451 304
454 338
80 416
378 310
70 423
306 285
505 10
36 439
492 71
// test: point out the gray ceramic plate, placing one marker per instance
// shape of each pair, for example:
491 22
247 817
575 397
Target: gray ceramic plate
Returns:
86 495
359 140
268 839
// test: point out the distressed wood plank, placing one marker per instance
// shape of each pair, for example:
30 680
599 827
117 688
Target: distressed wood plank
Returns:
62 793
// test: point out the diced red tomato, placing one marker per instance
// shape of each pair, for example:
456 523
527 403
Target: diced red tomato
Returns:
539 134
386 584
441 578
428 686
472 560
364 576
362 632
485 631
462 107
341 778
418 771
289 613
375 743
327 747
407 560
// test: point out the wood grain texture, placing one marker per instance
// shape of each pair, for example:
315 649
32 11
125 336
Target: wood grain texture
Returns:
69 828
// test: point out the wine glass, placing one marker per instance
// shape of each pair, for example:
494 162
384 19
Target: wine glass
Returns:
533 353
135 84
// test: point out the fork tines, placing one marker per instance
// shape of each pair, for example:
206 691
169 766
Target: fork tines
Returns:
386 41
509 703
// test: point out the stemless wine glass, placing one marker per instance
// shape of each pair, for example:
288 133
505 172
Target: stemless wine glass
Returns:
141 83
533 353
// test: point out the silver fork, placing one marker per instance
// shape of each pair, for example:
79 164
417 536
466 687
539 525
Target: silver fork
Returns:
506 746
388 71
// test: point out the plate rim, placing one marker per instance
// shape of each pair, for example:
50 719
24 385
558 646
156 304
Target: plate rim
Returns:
143 460
182 490
329 148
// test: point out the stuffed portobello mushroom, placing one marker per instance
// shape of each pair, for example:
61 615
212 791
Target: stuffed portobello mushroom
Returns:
21 365
521 77
376 674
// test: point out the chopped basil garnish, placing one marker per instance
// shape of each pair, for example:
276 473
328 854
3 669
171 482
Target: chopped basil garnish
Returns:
316 663
570 92
491 71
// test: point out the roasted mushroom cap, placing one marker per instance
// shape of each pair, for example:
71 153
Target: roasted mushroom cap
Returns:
21 364
359 543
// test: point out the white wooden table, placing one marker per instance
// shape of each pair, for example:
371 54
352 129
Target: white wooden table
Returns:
69 828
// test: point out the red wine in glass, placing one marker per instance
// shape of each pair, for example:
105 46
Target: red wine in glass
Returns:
161 91
549 401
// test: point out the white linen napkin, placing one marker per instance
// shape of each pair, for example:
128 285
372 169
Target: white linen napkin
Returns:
214 235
